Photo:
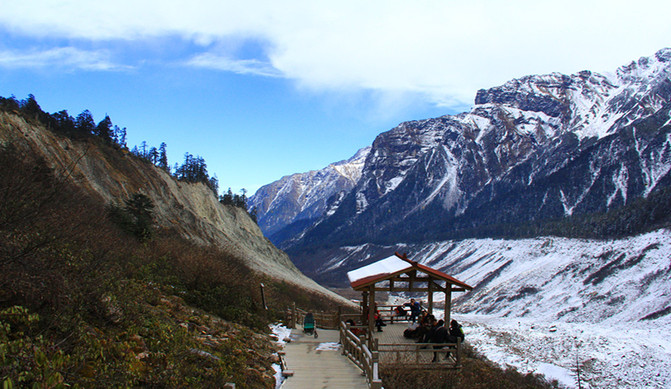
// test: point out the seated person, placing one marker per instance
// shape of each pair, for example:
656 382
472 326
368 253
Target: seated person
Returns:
411 332
378 321
400 312
455 332
427 323
355 331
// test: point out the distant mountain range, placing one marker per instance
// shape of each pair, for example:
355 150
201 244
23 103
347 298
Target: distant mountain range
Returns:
536 149
294 202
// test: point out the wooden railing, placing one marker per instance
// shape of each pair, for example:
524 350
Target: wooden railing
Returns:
422 355
388 314
355 348
325 320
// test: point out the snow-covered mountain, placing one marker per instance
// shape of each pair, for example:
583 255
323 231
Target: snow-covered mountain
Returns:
536 148
300 199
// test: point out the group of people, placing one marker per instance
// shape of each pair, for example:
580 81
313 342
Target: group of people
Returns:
423 326
427 329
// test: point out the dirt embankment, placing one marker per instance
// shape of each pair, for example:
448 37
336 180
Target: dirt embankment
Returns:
191 209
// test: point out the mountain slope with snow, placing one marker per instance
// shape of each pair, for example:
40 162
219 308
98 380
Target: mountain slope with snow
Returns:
302 198
536 148
543 304
548 301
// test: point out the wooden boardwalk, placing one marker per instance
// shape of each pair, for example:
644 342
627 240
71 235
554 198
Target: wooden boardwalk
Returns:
318 363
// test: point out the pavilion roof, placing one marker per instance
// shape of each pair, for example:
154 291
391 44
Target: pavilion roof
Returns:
390 267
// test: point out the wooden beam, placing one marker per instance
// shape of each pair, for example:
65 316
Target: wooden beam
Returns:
408 279
413 276
430 287
407 289
371 315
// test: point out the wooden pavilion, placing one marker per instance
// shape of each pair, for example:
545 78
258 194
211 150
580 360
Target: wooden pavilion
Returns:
397 273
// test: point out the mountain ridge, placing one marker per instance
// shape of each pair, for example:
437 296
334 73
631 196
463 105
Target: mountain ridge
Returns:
574 144
304 197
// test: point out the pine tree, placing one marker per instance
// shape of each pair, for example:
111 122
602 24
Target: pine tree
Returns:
30 108
163 157
153 155
84 123
64 122
104 129
122 138
227 198
253 213
213 183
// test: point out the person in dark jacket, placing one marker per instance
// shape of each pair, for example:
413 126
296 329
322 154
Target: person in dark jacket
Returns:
415 309
437 334
379 323
456 332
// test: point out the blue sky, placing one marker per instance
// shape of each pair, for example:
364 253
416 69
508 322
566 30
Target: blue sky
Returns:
262 89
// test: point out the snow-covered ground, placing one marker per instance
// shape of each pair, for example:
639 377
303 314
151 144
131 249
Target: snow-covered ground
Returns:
281 332
633 355
548 305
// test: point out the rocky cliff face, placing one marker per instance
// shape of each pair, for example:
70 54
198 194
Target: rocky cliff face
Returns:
535 148
190 209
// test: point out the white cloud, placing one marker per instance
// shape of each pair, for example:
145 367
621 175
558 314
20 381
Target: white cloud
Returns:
443 50
59 57
239 66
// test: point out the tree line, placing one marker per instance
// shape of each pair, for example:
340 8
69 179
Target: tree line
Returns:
193 169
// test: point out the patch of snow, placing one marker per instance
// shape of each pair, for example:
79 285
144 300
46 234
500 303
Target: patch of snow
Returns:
282 333
627 355
328 346
554 372
361 202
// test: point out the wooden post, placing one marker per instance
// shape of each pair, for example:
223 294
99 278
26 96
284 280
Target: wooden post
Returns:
458 352
364 307
339 318
294 315
263 298
448 303
371 315
430 287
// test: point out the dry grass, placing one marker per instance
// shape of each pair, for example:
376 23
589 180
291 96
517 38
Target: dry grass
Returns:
84 303
476 373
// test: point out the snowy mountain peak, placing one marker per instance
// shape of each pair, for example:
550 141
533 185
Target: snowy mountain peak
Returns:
303 197
647 69
535 148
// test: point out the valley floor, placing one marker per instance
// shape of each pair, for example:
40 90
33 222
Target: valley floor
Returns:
634 355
